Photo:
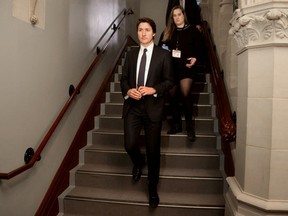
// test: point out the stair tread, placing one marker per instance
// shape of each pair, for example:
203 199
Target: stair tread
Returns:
121 104
163 133
195 83
164 171
119 116
164 149
140 197
193 92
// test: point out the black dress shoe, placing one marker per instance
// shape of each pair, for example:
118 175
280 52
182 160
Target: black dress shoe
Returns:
191 136
136 173
175 129
153 199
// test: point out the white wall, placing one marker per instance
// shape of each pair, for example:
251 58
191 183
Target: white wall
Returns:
36 68
156 10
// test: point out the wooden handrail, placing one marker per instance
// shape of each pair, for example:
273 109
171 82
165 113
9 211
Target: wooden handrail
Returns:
227 127
50 132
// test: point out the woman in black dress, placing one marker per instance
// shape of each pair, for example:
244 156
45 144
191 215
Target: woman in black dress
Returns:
184 42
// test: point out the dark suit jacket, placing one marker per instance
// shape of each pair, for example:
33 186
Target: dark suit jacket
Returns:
191 8
160 77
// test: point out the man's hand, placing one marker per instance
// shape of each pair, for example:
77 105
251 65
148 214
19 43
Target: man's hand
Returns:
144 90
134 93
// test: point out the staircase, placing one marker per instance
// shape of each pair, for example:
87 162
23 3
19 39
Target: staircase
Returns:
191 181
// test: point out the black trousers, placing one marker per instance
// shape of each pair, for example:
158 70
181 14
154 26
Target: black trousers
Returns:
136 119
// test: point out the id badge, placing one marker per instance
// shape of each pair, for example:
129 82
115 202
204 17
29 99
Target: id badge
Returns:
176 53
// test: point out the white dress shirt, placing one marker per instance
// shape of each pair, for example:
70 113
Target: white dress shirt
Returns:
148 60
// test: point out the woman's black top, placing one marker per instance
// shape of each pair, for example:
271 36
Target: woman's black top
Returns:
187 40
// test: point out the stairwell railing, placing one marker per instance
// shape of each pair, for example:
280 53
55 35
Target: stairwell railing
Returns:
227 127
30 156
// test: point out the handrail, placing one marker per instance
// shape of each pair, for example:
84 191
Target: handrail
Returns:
124 11
227 127
50 132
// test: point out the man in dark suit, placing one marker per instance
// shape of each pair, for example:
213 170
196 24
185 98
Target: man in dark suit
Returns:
191 8
144 102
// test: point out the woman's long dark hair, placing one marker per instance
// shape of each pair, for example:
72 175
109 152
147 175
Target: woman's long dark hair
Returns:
170 27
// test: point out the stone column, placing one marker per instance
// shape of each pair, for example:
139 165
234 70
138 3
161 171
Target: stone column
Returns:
204 5
214 24
225 13
224 16
260 184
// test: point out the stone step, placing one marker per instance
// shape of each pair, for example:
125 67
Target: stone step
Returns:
169 160
115 122
197 87
116 169
198 98
104 202
114 181
202 76
198 109
115 139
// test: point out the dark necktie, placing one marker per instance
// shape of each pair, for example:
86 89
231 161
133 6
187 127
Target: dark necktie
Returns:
142 69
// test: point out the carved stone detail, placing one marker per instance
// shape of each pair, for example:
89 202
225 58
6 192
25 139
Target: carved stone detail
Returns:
257 29
281 22
249 3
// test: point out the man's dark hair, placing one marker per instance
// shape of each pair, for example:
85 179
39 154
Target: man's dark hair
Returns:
149 21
